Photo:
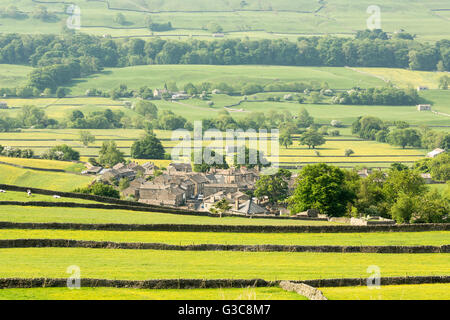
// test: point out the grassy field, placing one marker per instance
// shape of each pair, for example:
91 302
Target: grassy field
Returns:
149 264
23 196
437 291
271 293
78 215
256 19
436 238
156 75
45 164
13 75
40 179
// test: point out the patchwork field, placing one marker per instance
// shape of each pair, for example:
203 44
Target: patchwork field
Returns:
252 18
438 291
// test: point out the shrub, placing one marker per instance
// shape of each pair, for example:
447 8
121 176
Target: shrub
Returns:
62 153
100 189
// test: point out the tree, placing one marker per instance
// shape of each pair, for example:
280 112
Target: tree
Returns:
304 119
321 187
349 152
285 139
217 160
60 92
63 153
109 154
100 189
149 147
120 19
444 82
86 138
275 187
405 137
252 159
221 207
123 184
407 182
146 109
311 138
440 167
403 208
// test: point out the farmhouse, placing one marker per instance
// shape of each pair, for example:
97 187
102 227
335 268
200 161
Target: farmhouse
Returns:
435 153
423 107
248 207
159 194
422 88
3 105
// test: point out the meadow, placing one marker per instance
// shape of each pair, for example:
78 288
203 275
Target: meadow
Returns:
256 19
436 291
159 264
100 216
269 293
436 238
39 179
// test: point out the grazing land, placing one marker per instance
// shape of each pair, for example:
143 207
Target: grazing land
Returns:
270 293
149 264
437 291
252 18
435 238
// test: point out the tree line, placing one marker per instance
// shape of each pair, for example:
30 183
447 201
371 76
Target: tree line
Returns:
83 54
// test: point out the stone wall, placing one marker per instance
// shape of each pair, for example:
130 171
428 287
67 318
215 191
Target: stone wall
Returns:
62 243
303 289
228 228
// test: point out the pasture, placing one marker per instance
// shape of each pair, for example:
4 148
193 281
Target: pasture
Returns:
40 179
253 19
100 216
436 238
436 291
160 264
270 293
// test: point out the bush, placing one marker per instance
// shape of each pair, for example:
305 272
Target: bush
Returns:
62 153
100 189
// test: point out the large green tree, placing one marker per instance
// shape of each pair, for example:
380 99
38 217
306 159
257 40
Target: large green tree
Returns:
275 187
110 155
149 147
312 139
321 187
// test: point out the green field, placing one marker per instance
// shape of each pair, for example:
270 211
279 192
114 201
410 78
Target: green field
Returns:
23 196
40 179
78 215
256 19
13 75
270 293
436 238
437 291
155 76
150 264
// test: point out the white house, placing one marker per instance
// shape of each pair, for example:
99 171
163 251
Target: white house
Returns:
424 107
435 153
3 105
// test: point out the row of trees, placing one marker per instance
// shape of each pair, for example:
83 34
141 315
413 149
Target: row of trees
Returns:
400 193
402 135
92 53
388 96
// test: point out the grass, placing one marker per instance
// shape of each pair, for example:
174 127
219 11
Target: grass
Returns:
436 238
13 75
45 164
274 19
23 196
156 75
40 179
436 291
149 264
98 216
270 293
